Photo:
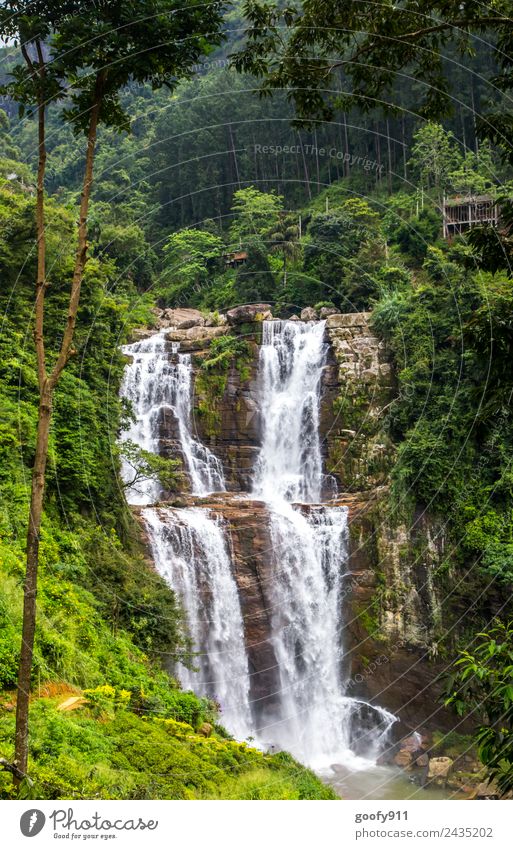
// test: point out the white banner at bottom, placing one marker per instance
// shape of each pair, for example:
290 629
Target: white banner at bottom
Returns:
257 825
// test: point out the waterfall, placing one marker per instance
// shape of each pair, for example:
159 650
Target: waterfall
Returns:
315 719
190 551
311 715
153 381
189 546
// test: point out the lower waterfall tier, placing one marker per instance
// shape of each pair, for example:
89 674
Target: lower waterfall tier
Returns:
263 590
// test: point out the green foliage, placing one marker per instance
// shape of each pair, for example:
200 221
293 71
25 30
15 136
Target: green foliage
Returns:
145 466
342 252
140 41
474 174
191 257
416 235
223 350
255 214
105 749
482 683
450 336
212 377
255 280
282 39
434 156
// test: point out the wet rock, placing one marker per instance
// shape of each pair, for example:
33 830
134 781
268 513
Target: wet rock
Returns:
194 338
404 759
206 729
412 743
191 322
294 318
141 333
439 770
248 313
204 333
486 790
309 314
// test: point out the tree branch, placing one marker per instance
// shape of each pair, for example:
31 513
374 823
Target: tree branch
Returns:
412 36
81 253
13 769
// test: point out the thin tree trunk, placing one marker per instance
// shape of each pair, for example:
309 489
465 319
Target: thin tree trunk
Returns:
307 176
389 150
30 589
43 428
346 149
46 388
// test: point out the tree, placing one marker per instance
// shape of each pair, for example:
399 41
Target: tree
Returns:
190 255
147 466
342 249
255 213
339 53
79 55
482 684
434 157
474 173
255 280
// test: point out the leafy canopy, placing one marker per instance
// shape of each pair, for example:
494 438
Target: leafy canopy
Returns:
340 53
75 50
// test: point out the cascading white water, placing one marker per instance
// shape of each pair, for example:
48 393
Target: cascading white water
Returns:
152 382
188 545
291 360
315 720
190 551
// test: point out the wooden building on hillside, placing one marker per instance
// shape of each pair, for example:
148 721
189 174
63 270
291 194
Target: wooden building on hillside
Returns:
462 212
236 258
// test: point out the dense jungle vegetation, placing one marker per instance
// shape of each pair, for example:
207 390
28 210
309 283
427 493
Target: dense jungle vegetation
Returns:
205 171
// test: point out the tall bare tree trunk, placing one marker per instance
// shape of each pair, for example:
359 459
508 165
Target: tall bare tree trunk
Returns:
46 388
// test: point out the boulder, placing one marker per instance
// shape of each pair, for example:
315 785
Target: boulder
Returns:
325 312
486 790
412 743
248 312
190 322
294 318
350 319
207 333
403 759
439 769
206 729
184 318
309 314
140 333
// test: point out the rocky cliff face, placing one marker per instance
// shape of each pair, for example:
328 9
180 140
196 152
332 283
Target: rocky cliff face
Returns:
392 611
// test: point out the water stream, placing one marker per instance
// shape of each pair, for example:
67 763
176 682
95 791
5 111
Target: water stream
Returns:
190 550
316 721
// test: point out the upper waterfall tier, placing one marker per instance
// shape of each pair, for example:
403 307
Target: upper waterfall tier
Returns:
153 381
292 357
